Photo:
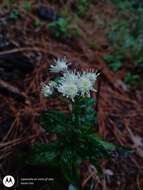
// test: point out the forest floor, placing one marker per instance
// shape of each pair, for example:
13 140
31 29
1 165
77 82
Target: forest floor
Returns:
28 47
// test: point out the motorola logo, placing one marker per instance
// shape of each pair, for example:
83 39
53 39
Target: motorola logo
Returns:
8 181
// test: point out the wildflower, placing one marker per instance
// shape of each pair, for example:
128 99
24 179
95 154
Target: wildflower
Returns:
59 66
52 84
46 90
92 76
70 76
85 86
68 89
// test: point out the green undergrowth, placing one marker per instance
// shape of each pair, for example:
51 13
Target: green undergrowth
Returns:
131 79
63 28
125 36
124 5
115 62
76 141
82 6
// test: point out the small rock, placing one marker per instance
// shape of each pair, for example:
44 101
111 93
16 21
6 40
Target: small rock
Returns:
108 172
46 13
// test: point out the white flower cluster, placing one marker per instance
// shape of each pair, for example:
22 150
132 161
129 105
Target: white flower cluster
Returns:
71 83
60 65
48 90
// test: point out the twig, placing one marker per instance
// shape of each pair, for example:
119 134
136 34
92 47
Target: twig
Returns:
98 92
8 89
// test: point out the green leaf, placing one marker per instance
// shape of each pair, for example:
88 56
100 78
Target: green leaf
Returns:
62 28
76 141
131 79
108 58
9 2
37 23
115 66
114 61
43 154
105 144
14 14
70 166
83 111
53 121
27 5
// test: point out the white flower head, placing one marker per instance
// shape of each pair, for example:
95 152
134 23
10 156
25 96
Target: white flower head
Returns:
68 89
52 84
85 86
46 90
70 76
92 76
60 65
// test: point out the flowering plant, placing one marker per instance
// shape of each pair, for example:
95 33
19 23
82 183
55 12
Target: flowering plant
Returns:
70 84
76 140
